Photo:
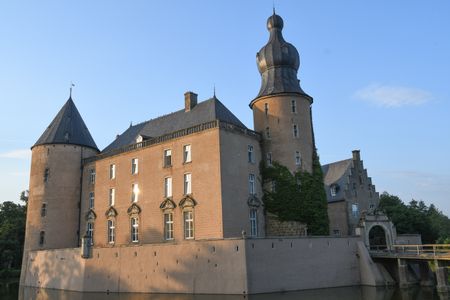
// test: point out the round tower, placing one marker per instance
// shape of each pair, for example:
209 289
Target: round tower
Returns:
55 182
282 110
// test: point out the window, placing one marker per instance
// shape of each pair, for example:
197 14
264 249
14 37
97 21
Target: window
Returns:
112 171
269 158
134 192
187 153
134 166
134 230
298 159
372 206
44 209
168 187
167 158
295 130
268 132
187 184
355 210
46 174
92 176
112 197
188 217
111 232
41 238
294 106
253 222
91 200
250 155
168 226
333 190
273 186
90 231
266 108
336 232
251 184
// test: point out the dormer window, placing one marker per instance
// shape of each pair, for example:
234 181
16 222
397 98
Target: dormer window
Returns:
334 189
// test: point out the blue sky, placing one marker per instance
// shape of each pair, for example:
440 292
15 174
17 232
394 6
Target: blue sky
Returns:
379 74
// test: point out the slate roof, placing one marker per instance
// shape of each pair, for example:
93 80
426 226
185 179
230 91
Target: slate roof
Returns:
67 127
336 173
209 110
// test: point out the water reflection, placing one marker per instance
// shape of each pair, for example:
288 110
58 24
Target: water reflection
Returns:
346 293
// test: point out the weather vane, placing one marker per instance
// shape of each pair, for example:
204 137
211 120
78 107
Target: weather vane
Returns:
71 86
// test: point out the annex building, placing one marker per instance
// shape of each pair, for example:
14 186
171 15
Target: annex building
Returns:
174 204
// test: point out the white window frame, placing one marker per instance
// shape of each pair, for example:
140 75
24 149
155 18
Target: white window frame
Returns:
168 187
188 220
295 130
188 183
298 158
92 176
250 154
253 216
168 226
90 231
251 184
187 153
134 192
111 231
333 190
167 158
134 226
112 196
112 171
134 166
91 200
355 209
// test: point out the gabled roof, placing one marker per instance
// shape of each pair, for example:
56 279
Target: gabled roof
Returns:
336 173
209 110
67 127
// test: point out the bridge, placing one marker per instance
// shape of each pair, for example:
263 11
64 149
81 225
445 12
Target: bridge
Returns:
403 256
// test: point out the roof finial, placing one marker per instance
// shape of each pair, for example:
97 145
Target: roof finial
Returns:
71 85
214 90
273 6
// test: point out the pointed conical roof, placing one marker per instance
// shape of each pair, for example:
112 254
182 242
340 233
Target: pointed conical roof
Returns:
67 128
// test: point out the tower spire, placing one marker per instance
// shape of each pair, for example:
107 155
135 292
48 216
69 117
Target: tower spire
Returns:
70 93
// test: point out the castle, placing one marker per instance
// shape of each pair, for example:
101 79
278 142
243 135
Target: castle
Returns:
186 187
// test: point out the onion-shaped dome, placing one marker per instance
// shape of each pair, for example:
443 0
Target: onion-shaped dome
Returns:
278 62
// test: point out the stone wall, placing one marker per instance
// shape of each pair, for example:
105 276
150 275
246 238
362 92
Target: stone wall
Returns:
275 227
231 266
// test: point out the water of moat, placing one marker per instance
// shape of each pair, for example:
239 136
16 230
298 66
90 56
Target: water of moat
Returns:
10 291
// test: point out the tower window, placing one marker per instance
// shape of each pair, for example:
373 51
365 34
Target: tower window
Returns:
266 108
253 222
251 158
91 200
111 232
187 183
268 132
112 171
295 130
44 209
355 210
90 231
188 217
112 197
41 238
134 192
168 187
298 159
167 158
269 158
168 226
251 184
134 166
134 230
187 153
294 106
46 174
92 176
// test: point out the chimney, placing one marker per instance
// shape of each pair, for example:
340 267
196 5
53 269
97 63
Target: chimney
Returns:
356 155
190 100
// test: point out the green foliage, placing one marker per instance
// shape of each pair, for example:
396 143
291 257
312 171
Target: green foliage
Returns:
12 234
416 217
296 197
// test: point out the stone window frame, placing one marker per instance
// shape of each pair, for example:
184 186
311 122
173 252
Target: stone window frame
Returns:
168 187
251 184
90 224
253 218
111 230
92 175
295 131
187 205
134 166
251 154
91 200
168 225
134 213
112 171
112 196
187 183
135 192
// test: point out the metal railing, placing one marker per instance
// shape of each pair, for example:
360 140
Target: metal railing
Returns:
425 251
